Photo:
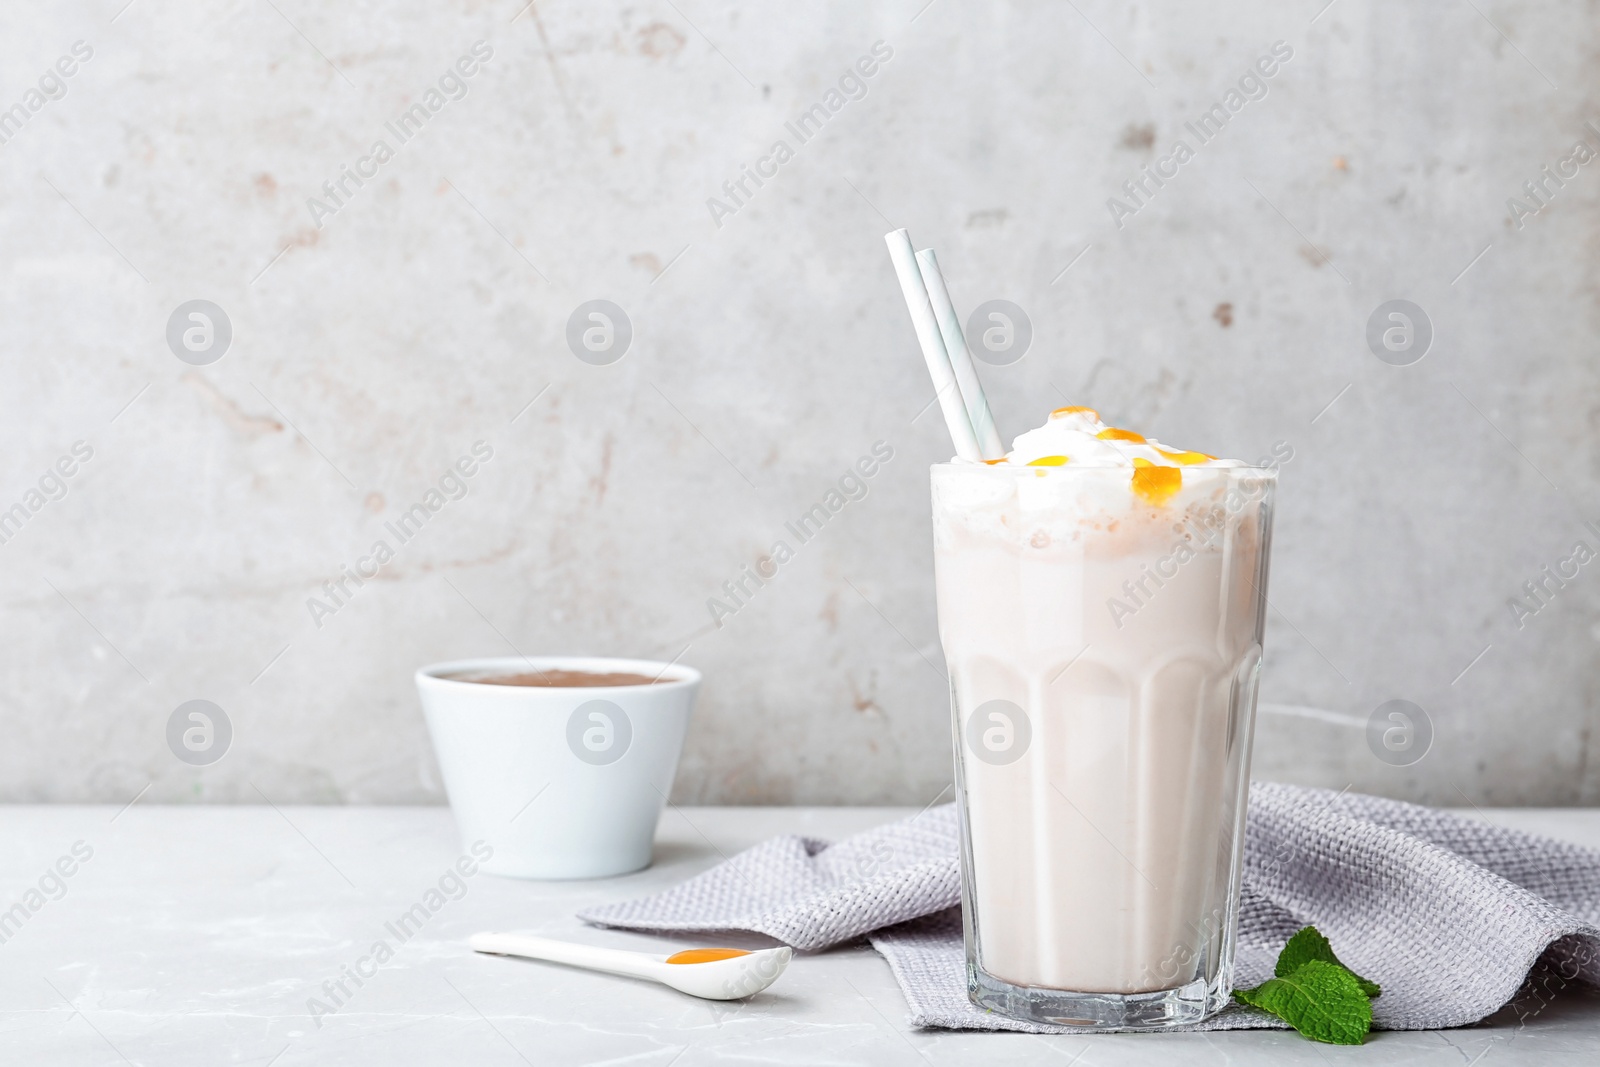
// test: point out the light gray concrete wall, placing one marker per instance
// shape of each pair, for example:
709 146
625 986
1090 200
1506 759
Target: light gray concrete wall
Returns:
374 345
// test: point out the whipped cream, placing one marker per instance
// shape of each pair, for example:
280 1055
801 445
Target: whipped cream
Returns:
1075 436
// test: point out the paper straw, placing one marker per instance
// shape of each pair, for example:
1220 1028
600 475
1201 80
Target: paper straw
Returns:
955 346
927 327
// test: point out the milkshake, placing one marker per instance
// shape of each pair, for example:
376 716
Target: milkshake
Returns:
1100 603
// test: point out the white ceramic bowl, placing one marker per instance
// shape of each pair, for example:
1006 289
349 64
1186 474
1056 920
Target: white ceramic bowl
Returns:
558 782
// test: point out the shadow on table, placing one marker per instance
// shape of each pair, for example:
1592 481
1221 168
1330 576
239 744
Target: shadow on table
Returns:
1546 1001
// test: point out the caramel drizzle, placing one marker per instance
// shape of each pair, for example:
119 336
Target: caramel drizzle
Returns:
706 955
1154 483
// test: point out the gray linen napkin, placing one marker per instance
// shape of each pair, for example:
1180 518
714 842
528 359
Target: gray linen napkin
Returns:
1449 915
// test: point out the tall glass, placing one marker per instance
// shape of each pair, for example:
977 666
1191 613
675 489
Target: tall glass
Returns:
1103 630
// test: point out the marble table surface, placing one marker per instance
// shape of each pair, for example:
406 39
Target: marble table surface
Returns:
199 935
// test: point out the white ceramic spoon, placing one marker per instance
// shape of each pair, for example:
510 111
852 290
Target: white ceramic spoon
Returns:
729 975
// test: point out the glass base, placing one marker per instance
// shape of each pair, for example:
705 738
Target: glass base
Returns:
1160 1010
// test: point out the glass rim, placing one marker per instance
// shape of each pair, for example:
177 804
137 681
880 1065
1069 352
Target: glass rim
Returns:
1017 468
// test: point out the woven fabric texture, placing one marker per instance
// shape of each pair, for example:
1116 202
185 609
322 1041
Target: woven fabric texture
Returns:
1448 914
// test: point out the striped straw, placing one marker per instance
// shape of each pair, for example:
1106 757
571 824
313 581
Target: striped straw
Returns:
955 346
933 350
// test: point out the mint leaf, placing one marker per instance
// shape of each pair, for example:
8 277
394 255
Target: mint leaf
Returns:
1308 945
1322 1000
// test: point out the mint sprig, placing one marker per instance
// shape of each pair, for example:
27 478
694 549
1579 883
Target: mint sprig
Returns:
1315 993
1308 945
